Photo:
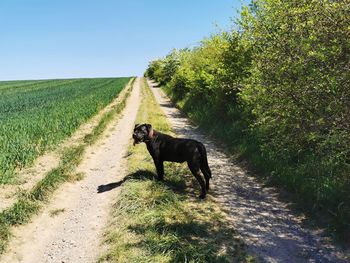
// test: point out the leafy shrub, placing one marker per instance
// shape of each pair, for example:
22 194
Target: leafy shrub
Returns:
277 89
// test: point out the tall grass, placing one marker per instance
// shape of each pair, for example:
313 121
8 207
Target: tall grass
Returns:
37 115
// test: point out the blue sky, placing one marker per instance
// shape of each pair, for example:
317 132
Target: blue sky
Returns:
43 39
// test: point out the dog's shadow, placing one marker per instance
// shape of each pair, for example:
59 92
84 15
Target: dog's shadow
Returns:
138 175
142 175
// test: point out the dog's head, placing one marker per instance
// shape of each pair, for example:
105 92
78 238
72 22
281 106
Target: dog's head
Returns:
142 133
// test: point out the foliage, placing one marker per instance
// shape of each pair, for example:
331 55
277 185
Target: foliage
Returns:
37 115
277 89
300 97
164 69
299 89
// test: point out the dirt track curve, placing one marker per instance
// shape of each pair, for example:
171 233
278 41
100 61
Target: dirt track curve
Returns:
75 234
266 224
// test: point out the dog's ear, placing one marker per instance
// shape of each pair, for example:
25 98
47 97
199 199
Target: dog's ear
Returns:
149 127
136 125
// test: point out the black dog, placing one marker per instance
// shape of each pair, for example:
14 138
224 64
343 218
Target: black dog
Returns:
163 147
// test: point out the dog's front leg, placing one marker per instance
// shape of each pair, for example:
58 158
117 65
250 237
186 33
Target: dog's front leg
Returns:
160 169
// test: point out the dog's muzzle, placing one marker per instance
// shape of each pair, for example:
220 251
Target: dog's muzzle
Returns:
136 139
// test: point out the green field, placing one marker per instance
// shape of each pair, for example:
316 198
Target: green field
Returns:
37 115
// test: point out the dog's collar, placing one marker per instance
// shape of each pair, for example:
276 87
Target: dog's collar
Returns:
152 135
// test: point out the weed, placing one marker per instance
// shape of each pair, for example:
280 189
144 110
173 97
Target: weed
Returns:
56 212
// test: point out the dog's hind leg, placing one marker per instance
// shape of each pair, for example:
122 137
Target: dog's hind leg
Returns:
207 176
194 167
204 164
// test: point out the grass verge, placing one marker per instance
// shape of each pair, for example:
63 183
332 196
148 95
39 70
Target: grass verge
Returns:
29 203
164 221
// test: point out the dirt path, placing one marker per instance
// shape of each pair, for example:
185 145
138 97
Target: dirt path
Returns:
28 177
267 225
74 233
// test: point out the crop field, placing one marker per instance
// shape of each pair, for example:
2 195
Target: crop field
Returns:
37 115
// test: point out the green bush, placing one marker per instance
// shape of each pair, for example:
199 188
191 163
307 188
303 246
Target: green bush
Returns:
277 89
299 94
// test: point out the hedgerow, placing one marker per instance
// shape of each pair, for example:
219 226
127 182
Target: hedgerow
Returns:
277 89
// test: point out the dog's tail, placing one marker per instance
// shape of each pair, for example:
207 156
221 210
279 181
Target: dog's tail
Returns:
204 160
